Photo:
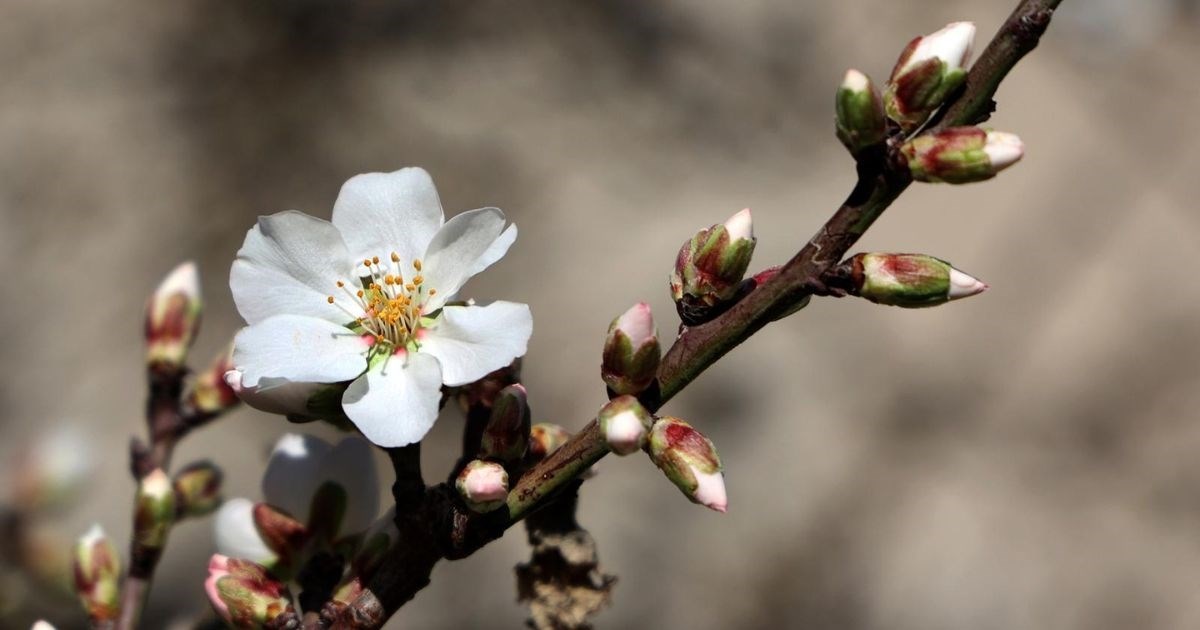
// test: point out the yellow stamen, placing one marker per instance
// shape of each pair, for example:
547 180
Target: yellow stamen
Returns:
417 264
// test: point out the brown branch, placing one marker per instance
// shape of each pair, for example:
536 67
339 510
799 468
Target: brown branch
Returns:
168 421
444 529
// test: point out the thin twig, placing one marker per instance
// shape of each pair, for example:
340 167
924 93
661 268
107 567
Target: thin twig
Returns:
881 179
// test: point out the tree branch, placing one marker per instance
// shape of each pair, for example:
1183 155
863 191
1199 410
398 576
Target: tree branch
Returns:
452 532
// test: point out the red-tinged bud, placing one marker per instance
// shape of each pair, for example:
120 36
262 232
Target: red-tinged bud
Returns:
506 436
483 485
545 438
211 394
282 533
173 317
861 121
710 267
198 489
690 461
930 69
629 363
244 594
961 155
154 510
908 280
97 570
625 424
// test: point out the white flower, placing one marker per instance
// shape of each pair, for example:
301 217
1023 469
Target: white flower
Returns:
364 298
299 466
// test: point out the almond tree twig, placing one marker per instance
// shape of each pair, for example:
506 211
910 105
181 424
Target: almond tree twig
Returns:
441 528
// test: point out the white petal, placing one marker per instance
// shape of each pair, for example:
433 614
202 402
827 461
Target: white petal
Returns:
496 250
236 535
274 395
396 404
294 472
470 341
461 246
351 464
298 348
289 263
381 213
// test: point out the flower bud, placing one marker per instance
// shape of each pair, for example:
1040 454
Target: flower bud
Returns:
211 394
545 438
282 533
198 489
154 511
97 570
173 317
244 594
506 436
483 485
930 69
860 119
690 461
624 423
629 363
41 624
961 155
909 280
710 266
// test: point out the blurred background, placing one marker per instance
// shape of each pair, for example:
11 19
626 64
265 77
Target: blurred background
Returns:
1022 459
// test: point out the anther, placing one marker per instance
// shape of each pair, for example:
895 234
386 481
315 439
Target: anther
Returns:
330 299
417 264
395 257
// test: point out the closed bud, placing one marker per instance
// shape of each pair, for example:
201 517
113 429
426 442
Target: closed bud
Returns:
506 436
173 317
97 572
244 594
690 461
625 424
154 512
629 363
282 533
483 485
211 394
908 280
710 267
961 155
41 624
930 69
861 122
198 489
545 438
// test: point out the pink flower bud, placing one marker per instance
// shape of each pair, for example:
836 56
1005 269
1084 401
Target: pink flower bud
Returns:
506 436
173 317
211 393
961 155
625 424
928 71
244 594
908 280
483 485
629 362
690 461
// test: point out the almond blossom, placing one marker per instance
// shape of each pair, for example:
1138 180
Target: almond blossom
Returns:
367 298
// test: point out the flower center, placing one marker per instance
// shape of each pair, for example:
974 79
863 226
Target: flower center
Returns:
387 307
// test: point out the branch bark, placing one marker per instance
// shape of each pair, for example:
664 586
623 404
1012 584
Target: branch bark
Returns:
445 530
